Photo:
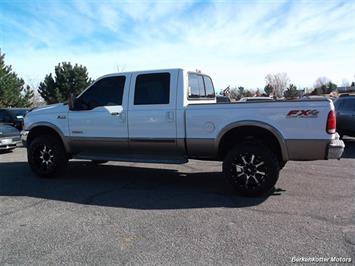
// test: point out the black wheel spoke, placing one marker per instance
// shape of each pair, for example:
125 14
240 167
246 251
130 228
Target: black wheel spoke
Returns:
44 157
249 170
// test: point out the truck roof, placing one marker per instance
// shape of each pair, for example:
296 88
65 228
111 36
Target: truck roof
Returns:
140 71
152 70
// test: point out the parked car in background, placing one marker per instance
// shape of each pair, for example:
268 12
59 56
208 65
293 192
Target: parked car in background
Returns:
345 113
13 116
9 137
256 99
222 99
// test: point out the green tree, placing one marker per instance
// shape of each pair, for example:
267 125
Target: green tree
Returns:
241 91
291 92
268 89
13 92
323 85
67 79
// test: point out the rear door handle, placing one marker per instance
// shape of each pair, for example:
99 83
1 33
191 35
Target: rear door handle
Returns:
115 113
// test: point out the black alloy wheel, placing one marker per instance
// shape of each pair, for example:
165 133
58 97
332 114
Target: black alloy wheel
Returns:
46 156
252 168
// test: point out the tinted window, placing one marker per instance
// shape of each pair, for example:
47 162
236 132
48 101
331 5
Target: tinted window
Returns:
348 105
196 87
105 92
200 86
152 89
209 87
4 116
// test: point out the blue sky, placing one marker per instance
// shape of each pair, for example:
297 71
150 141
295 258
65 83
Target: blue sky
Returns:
236 42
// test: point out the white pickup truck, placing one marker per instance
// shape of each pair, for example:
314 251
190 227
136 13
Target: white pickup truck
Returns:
170 116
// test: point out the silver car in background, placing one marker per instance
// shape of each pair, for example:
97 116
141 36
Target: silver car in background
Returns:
9 137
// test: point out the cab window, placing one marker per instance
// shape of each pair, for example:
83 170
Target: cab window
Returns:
152 89
209 87
200 86
105 92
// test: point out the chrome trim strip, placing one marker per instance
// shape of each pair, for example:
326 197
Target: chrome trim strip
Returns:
97 139
134 157
153 140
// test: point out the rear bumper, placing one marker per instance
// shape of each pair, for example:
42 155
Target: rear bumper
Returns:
335 149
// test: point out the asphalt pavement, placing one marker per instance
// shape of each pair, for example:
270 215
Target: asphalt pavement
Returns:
151 214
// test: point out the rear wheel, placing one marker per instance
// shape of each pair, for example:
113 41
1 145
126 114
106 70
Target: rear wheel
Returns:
252 168
47 156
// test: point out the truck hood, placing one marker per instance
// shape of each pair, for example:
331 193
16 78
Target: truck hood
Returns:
49 109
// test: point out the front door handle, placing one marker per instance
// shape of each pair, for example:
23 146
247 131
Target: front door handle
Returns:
121 115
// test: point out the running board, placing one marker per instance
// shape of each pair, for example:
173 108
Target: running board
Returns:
134 158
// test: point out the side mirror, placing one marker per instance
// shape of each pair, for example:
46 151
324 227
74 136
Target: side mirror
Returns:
71 102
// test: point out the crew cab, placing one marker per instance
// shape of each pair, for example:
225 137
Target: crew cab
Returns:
170 116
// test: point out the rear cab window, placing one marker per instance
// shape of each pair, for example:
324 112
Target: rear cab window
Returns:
200 86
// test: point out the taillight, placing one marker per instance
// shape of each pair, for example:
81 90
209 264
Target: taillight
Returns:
331 123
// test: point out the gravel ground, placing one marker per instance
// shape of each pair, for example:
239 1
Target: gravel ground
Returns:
127 213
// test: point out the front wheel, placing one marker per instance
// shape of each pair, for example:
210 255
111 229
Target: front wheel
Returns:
252 168
46 156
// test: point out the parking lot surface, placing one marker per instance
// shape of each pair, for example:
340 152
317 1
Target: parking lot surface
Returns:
127 213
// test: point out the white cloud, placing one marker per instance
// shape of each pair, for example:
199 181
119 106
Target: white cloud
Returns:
238 43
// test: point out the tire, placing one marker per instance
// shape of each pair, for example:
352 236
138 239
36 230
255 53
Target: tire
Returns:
252 169
46 156
99 161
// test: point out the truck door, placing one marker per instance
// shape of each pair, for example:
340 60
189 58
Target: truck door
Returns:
152 112
98 123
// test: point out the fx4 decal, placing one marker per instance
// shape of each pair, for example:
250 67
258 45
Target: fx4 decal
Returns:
303 113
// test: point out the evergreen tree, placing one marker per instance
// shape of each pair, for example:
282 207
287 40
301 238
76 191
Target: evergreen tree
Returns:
291 92
67 79
268 89
13 92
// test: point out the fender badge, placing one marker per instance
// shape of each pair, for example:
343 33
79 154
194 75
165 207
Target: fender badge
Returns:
303 113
